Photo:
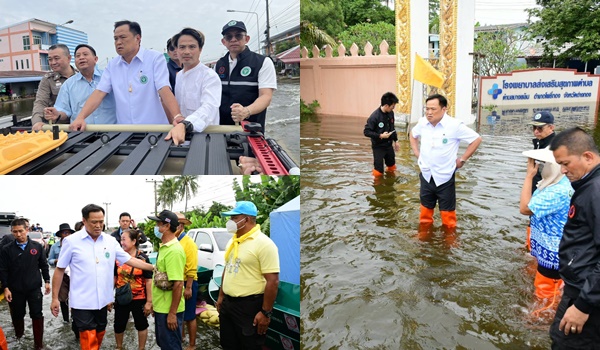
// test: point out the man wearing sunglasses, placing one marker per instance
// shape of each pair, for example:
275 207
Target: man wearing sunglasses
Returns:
543 129
248 79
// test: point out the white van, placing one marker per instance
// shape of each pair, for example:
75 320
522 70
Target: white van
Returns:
211 244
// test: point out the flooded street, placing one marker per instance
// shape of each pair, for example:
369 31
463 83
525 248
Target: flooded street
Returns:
370 282
59 336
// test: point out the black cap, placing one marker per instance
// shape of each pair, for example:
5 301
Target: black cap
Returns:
166 216
542 118
234 24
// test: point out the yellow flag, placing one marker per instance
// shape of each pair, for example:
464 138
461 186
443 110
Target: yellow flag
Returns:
426 74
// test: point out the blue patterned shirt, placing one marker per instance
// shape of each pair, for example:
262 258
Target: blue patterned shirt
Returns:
550 207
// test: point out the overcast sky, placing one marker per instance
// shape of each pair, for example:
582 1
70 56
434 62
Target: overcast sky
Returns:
159 20
502 12
52 200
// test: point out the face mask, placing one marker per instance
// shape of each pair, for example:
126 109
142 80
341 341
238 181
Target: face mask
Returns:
231 226
157 232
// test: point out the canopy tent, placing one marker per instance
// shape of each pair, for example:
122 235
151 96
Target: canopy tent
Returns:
285 232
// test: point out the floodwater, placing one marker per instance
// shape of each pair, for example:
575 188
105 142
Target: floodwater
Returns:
283 115
369 281
59 336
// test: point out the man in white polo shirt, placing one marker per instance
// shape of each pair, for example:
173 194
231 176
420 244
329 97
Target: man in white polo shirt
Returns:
440 136
139 81
91 255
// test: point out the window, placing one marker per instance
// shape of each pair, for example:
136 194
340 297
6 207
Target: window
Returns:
37 40
22 65
17 64
26 43
203 238
27 60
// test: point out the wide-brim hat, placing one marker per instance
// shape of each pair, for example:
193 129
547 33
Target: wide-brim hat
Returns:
542 154
182 219
242 207
63 227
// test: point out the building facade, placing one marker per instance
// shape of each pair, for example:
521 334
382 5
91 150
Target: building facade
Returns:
24 45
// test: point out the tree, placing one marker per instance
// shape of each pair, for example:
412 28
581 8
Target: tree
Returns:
311 35
434 16
371 32
366 11
324 14
187 186
571 29
267 195
168 192
501 49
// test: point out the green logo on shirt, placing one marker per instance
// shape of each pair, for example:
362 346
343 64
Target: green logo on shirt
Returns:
143 79
107 255
445 141
245 71
380 124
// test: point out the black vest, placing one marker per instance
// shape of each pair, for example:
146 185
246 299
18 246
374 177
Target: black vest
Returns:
240 85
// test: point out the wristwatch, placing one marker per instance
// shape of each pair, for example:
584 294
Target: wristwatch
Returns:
267 313
189 127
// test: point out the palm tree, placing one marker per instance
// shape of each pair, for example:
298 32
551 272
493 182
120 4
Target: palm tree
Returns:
187 186
168 192
311 35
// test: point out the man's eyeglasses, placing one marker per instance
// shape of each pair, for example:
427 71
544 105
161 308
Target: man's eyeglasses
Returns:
238 36
538 128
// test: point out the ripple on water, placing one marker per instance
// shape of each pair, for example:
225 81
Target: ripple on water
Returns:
369 282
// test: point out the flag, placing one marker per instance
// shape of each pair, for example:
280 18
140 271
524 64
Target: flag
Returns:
426 74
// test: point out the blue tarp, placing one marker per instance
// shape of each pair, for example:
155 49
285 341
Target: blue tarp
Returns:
285 232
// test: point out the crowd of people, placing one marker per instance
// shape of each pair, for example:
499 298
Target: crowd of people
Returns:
97 272
140 87
560 195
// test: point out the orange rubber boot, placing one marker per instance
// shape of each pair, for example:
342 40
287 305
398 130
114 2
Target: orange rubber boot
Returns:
548 291
391 169
377 173
100 336
88 340
448 218
528 241
3 343
426 215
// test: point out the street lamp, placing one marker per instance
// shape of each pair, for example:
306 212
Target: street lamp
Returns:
67 22
257 28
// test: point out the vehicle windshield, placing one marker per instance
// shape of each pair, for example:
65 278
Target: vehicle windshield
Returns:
4 230
222 237
35 235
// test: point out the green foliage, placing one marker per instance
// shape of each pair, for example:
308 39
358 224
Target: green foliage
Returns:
571 29
284 45
168 192
498 51
366 11
308 112
187 186
268 194
325 15
205 221
371 32
311 35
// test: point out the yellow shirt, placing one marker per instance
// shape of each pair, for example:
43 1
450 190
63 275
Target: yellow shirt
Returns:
191 257
257 255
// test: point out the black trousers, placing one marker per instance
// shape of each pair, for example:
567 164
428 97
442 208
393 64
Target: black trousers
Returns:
381 154
86 320
136 308
236 317
19 301
444 194
589 338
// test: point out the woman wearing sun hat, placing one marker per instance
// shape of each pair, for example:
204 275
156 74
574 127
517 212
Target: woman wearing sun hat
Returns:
548 207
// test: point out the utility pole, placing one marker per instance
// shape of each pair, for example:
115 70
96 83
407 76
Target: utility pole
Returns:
268 32
106 204
155 195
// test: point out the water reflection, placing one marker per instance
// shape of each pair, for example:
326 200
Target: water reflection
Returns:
371 281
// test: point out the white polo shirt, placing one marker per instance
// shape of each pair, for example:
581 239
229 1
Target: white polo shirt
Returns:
92 265
135 87
439 146
198 92
266 75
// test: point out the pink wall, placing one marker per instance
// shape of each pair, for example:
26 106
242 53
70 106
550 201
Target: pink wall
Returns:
347 85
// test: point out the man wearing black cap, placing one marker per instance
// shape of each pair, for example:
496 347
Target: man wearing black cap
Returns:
248 79
249 283
168 305
543 130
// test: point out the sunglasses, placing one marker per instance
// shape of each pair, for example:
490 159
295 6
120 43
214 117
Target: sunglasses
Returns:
238 36
538 128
